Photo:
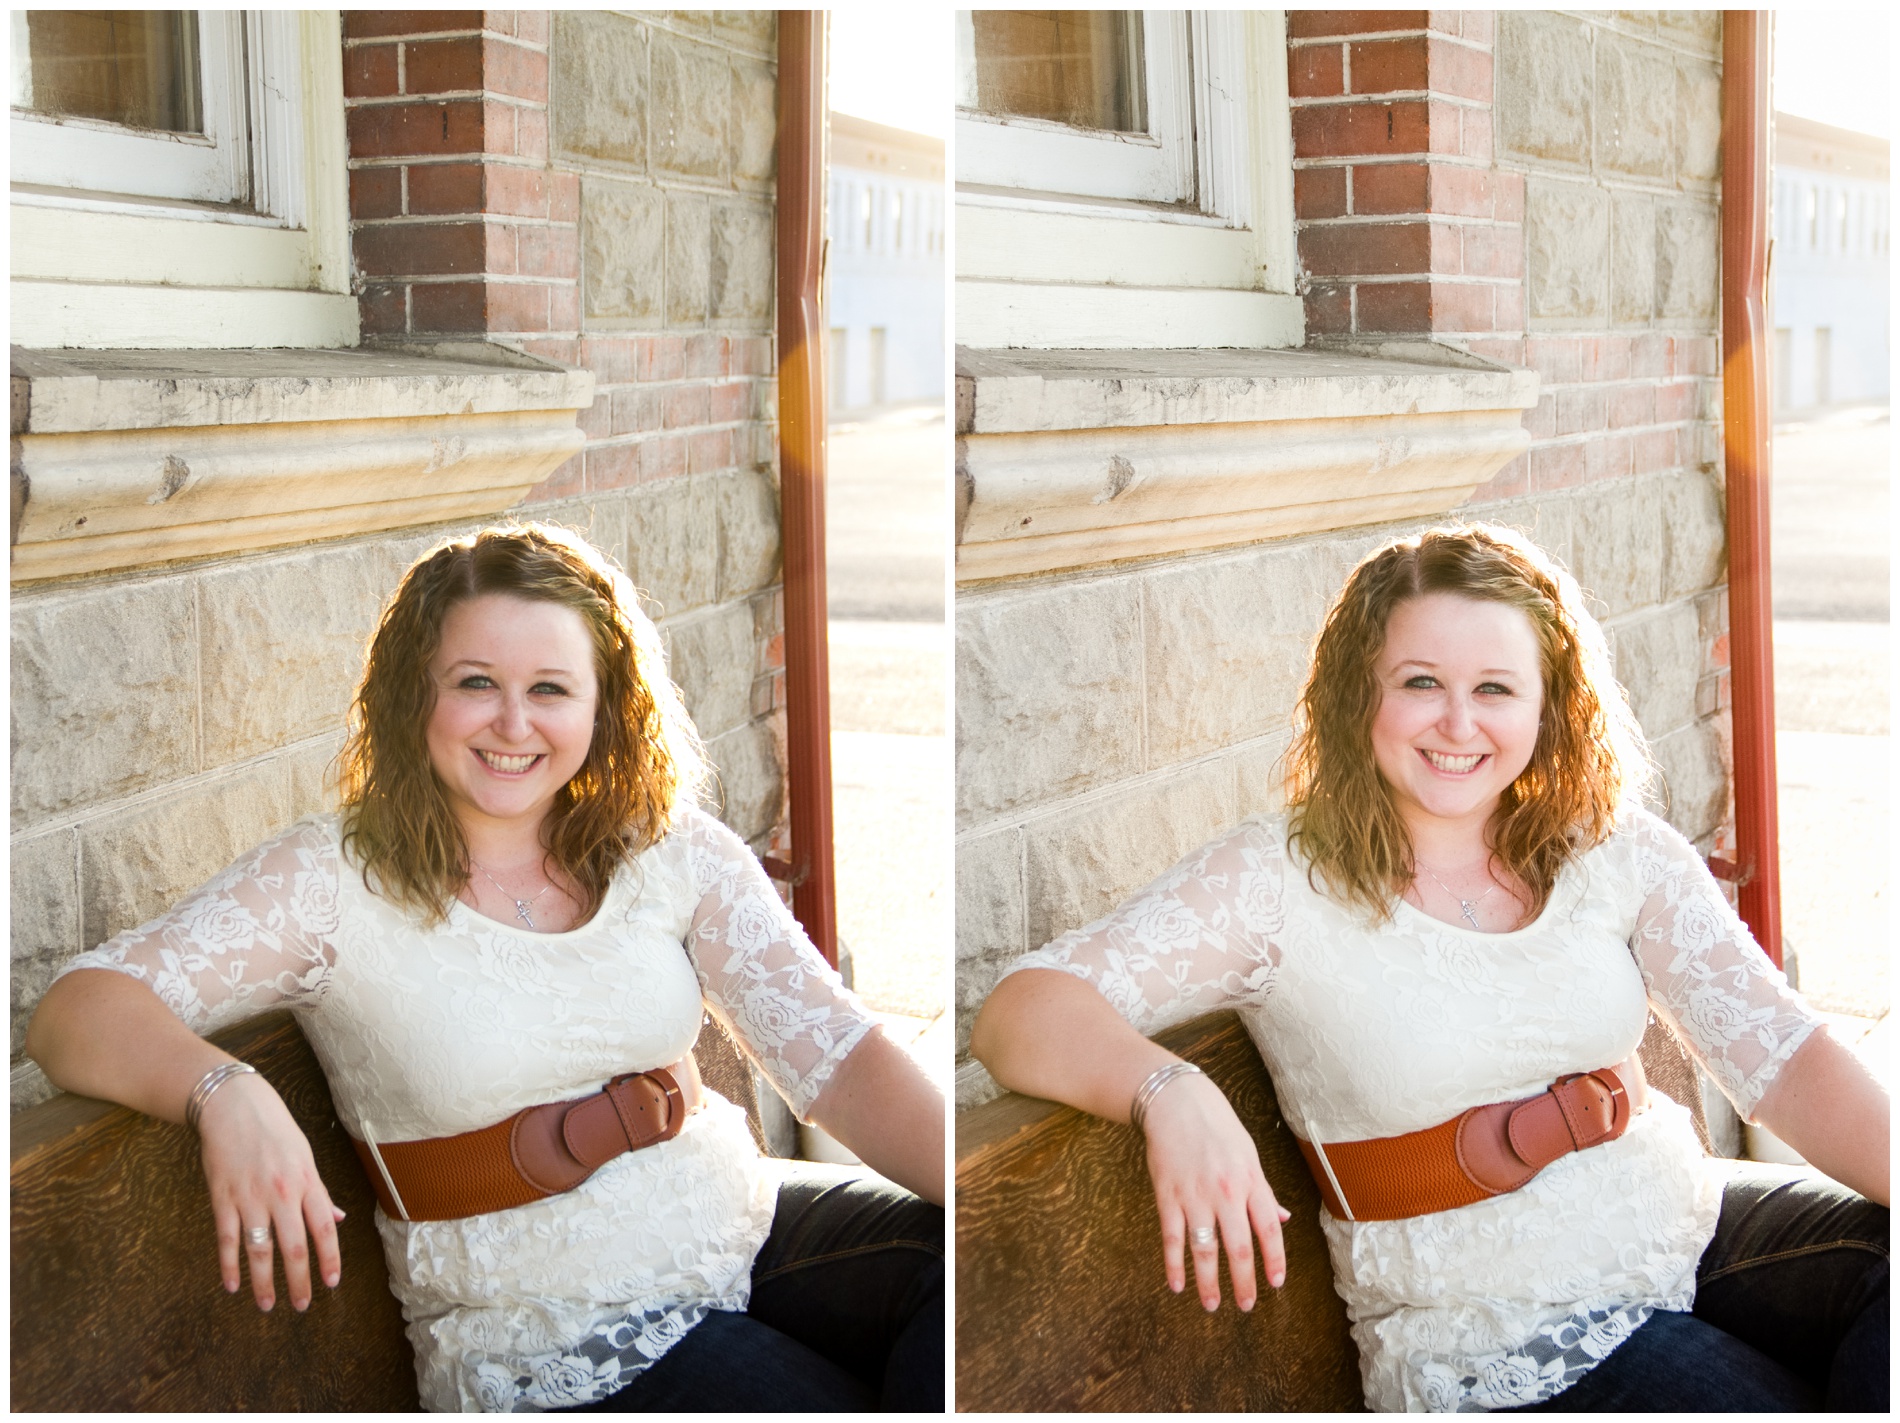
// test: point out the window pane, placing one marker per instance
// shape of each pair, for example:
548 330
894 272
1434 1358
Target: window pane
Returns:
133 67
1080 67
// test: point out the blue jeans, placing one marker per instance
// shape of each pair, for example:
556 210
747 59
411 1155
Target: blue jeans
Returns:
1790 1312
846 1312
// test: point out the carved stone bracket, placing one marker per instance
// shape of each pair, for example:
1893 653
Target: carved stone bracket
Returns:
122 459
1072 458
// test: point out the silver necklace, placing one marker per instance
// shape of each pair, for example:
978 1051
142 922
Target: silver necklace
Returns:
1466 907
522 906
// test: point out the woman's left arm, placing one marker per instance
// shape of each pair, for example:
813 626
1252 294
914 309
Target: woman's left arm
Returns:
881 1106
1826 1105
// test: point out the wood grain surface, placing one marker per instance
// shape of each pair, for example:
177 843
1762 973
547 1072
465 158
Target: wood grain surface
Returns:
1061 1301
116 1301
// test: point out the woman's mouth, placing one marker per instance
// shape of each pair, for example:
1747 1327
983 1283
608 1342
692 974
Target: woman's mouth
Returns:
507 765
1453 765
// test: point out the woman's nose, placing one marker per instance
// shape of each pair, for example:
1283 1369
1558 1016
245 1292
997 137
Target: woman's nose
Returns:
1456 721
511 718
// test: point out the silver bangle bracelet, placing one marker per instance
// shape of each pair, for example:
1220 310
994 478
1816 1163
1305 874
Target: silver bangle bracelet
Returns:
1151 1088
209 1083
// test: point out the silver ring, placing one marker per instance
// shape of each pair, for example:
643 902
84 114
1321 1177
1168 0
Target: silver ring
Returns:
1203 1235
258 1235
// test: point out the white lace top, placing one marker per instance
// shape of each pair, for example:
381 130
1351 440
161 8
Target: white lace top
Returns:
1372 1031
430 1032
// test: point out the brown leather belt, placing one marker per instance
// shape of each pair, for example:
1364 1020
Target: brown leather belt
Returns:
1484 1152
538 1152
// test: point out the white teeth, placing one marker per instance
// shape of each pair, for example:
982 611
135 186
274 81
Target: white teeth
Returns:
1454 765
511 764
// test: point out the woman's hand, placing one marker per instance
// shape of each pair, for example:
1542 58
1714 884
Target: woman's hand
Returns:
261 1174
1206 1174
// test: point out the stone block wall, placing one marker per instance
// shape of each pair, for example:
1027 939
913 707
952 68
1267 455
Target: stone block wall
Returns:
593 188
1540 190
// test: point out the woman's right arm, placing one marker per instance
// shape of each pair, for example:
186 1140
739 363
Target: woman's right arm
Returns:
123 1024
1059 1026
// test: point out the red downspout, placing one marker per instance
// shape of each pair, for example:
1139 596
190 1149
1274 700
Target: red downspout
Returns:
1745 432
801 405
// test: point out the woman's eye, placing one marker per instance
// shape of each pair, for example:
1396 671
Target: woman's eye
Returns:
1494 689
548 689
475 682
1421 682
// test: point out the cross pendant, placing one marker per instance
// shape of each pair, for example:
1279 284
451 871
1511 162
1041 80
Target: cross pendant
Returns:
521 912
1469 908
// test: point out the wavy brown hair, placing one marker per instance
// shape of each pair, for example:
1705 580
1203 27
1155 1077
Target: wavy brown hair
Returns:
645 756
1589 758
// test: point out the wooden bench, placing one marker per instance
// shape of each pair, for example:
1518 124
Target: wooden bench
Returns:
1061 1303
116 1300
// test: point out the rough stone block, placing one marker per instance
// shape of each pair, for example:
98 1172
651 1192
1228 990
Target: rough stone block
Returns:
623 227
1701 28
671 550
1566 228
104 695
1694 533
1544 520
754 121
1632 257
283 642
1049 695
1695 778
1227 644
1617 540
1635 108
756 30
1260 776
1544 99
308 774
135 865
1698 121
600 86
1659 661
1688 277
742 261
990 898
748 513
43 894
688 258
691 97
1080 864
751 782
712 657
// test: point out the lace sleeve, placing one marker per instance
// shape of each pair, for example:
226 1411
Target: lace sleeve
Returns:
256 937
759 972
1702 968
1203 936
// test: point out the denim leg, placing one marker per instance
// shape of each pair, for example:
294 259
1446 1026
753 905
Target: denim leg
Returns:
1798 1268
1790 1314
732 1363
854 1269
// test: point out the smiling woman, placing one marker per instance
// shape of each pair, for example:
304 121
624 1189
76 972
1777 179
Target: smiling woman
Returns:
501 950
1446 951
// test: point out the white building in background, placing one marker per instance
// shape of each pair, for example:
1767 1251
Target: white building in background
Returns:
1833 248
885 268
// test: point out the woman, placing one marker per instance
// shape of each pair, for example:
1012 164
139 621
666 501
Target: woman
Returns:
519 903
1463 906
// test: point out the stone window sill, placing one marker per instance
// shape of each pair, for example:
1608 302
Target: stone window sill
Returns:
124 459
1068 459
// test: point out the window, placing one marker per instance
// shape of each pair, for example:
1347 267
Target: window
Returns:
1124 179
178 179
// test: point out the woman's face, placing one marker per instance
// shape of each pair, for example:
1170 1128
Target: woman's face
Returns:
514 707
1462 691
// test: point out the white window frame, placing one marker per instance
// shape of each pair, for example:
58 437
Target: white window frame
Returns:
1156 166
1041 268
249 155
98 268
